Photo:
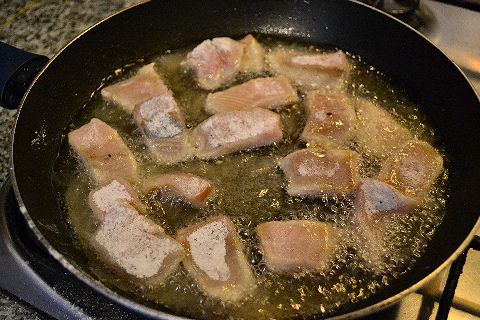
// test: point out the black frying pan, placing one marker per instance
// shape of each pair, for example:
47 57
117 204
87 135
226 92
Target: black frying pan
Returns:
430 78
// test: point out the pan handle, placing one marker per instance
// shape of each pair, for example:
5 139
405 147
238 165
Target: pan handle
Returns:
18 68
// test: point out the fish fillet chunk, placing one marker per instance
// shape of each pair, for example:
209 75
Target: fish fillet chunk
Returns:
261 92
297 245
232 131
104 197
215 62
413 168
325 72
215 259
378 133
103 151
128 93
254 56
188 187
376 206
330 120
134 245
313 173
161 123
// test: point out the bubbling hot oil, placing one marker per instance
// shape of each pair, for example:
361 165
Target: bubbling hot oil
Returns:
251 190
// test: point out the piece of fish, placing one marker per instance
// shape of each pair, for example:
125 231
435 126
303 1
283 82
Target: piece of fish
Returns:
128 93
215 259
313 172
325 71
261 92
118 190
227 132
215 62
330 120
297 245
376 207
161 123
254 55
378 133
134 245
412 168
103 151
188 187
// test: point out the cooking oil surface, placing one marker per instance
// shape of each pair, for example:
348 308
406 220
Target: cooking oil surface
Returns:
251 190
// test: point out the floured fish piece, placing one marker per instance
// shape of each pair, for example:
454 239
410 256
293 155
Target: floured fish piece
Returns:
326 61
261 92
103 151
412 168
313 173
378 133
325 71
161 123
254 56
227 132
145 85
133 244
159 117
375 199
330 120
297 245
103 198
376 204
188 187
215 259
215 62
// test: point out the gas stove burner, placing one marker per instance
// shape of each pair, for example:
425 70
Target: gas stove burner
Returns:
409 11
401 9
420 17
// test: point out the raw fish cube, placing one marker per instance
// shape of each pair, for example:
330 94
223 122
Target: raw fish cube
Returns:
327 61
215 62
227 132
161 122
378 134
103 151
313 173
188 187
325 72
134 245
375 199
215 259
103 198
159 117
261 92
413 168
377 205
297 245
330 120
145 85
254 56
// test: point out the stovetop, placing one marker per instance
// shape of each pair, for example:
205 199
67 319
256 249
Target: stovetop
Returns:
37 278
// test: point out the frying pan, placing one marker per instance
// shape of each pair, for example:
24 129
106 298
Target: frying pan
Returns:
64 85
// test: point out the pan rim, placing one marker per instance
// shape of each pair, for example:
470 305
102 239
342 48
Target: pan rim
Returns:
138 307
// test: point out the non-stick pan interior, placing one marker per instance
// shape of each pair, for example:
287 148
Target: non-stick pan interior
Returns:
431 80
